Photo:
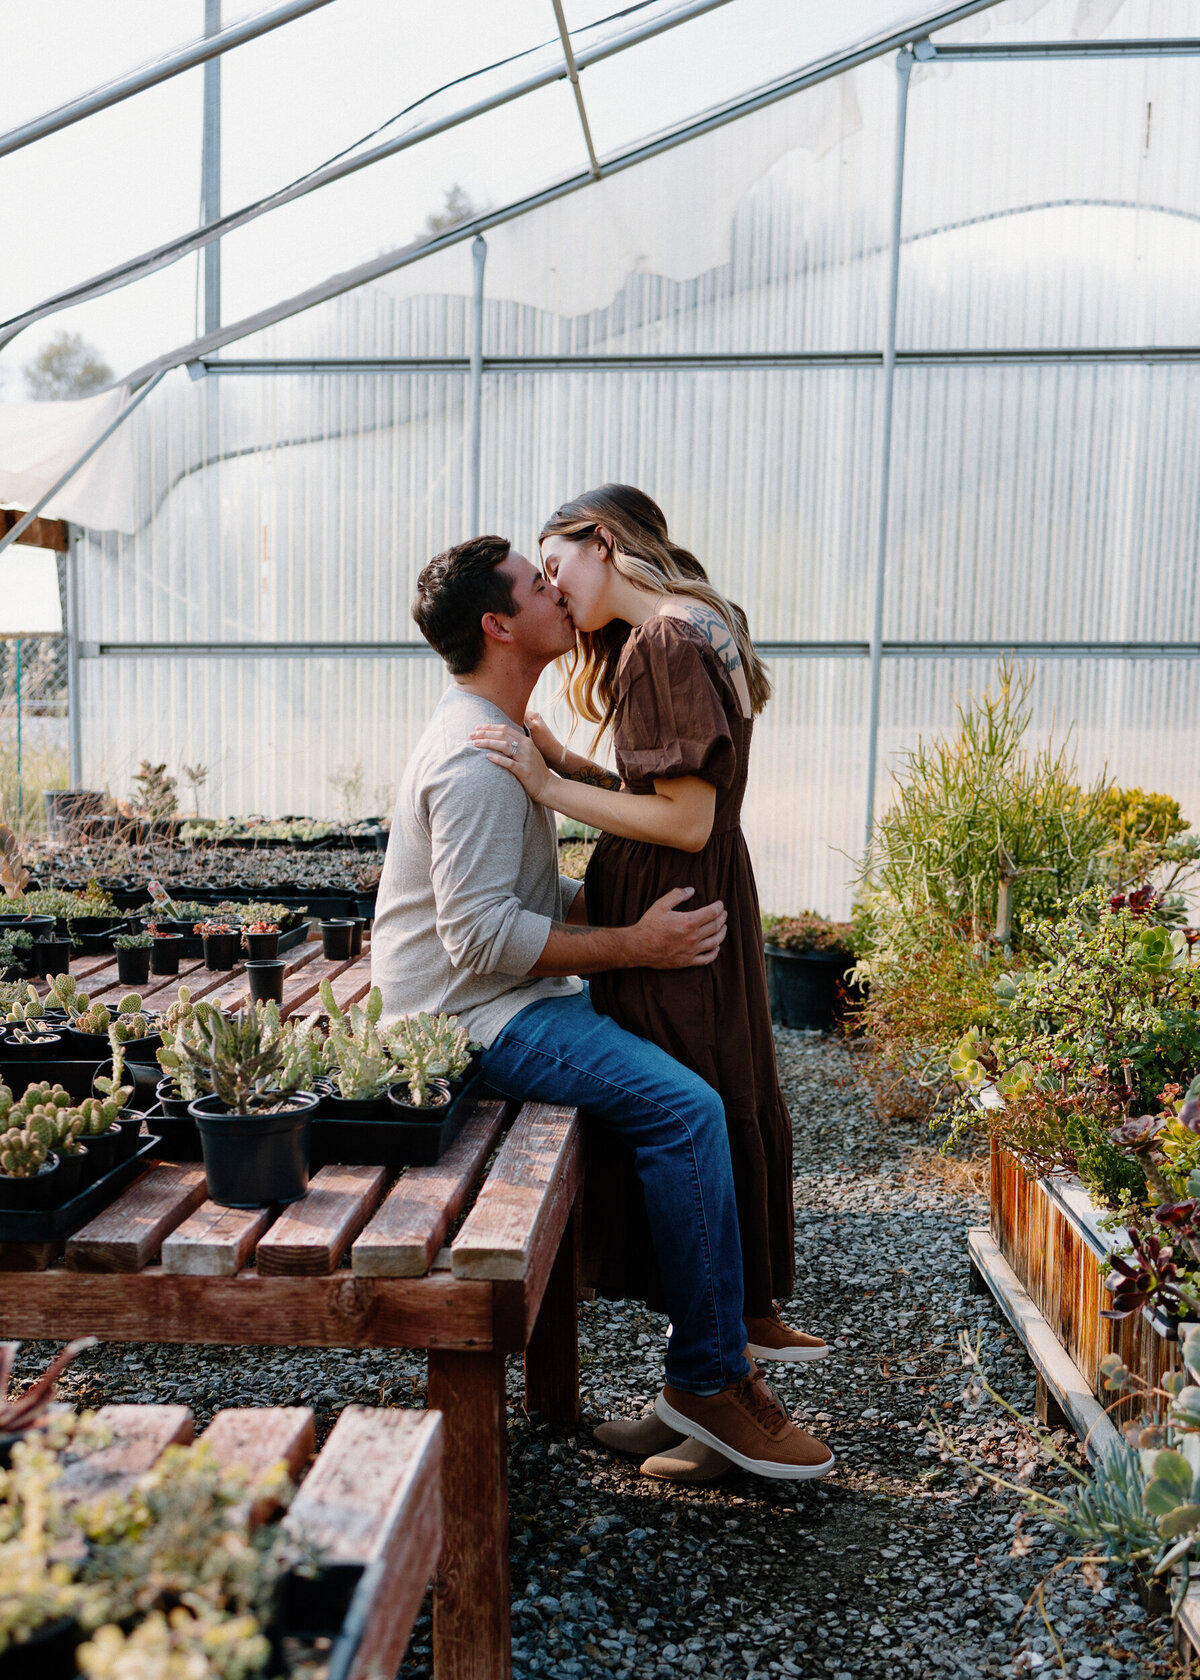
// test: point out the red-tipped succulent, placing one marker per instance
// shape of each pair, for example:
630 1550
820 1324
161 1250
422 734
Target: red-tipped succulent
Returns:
1137 1132
1147 1275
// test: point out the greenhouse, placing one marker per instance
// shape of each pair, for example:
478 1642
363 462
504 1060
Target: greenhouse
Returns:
890 309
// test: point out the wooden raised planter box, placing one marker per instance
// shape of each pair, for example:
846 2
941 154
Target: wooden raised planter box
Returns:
1047 1231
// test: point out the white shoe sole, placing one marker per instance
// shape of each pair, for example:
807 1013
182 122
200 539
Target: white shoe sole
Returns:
756 1466
787 1355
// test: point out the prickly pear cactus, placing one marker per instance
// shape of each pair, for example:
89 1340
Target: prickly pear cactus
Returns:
23 1152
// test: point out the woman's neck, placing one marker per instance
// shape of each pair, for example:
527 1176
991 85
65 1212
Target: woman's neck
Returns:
631 602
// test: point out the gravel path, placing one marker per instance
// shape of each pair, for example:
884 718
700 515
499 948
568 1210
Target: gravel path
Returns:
896 1565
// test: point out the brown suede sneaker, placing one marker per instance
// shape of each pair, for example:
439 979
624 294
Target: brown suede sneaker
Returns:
771 1338
748 1426
690 1462
636 1436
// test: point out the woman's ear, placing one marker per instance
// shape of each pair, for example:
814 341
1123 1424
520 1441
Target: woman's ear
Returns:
605 536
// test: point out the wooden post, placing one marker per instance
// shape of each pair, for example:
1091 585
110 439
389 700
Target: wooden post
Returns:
552 1357
471 1636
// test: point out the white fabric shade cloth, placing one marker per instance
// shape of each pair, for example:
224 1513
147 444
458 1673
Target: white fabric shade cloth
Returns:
39 441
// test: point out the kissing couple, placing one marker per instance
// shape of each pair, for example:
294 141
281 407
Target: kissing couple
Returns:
638 996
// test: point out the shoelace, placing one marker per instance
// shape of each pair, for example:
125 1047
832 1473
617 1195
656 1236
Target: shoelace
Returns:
762 1405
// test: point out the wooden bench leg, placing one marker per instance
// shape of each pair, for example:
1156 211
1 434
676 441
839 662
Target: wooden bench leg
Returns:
552 1357
471 1635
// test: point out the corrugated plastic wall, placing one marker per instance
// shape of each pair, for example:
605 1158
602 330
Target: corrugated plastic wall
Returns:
1046 206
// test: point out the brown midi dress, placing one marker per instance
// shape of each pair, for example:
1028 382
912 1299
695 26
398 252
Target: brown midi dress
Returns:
678 714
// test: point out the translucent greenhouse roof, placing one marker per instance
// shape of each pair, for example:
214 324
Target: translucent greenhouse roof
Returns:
342 130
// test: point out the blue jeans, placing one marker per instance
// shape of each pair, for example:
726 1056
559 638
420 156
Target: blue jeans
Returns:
560 1051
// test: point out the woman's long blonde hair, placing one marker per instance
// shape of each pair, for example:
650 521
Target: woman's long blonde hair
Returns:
645 554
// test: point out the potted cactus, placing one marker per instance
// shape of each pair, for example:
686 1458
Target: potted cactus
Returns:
255 1128
30 1041
165 950
260 940
419 1048
361 1065
88 1026
807 958
29 1165
220 940
133 957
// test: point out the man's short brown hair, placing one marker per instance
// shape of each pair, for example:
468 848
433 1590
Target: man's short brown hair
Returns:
454 591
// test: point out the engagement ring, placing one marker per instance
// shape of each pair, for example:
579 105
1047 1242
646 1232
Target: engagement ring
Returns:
512 749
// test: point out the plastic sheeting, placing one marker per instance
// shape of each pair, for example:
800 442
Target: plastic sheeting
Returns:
40 441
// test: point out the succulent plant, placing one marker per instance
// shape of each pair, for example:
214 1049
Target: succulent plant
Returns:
26 1006
110 1084
247 1067
132 941
24 1150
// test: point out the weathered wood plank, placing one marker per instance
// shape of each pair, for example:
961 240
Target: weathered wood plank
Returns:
388 1597
310 1236
404 1237
335 1311
305 986
353 984
127 1235
552 1357
520 1213
215 1241
30 1257
140 1435
257 1438
471 1639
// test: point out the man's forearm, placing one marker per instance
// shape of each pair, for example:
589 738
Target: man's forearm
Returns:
571 949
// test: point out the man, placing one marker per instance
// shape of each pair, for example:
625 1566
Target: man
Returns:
473 917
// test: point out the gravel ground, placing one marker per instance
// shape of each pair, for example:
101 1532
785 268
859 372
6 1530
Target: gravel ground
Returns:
898 1564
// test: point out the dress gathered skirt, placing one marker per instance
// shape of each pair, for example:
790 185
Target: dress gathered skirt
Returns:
678 714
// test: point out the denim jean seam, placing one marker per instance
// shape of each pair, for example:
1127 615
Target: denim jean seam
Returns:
587 1073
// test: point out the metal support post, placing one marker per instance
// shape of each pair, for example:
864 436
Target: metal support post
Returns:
210 184
904 61
20 789
479 257
74 719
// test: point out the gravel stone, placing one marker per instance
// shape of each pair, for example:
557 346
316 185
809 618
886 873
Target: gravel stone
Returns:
899 1564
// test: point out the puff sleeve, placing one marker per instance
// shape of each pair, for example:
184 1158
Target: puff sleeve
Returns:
670 717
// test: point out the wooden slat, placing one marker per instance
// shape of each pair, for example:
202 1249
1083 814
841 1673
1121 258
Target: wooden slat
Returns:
552 1357
390 1592
235 994
29 1257
257 1438
404 1237
537 1166
127 1235
141 1434
310 1237
40 533
335 1311
307 984
346 1503
215 1241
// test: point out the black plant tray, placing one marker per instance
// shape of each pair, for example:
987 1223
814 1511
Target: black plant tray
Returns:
193 945
388 1143
74 1076
56 1222
179 1139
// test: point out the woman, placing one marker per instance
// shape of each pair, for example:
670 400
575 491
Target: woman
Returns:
667 664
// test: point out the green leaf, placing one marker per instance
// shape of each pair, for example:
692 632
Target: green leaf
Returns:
1170 1484
1182 1520
1186 1407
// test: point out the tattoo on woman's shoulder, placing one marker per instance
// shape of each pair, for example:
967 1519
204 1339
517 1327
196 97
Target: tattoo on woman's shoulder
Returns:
595 776
718 633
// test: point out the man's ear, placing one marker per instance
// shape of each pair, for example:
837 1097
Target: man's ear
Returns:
493 627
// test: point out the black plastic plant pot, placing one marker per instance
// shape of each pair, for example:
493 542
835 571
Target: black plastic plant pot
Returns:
261 947
74 1172
38 1046
32 1195
143 1076
356 938
41 927
438 1092
103 1153
251 1160
266 979
220 950
364 905
336 936
172 1104
51 956
356 1108
143 1049
85 1047
164 953
129 1124
803 987
47 1654
133 965
7 922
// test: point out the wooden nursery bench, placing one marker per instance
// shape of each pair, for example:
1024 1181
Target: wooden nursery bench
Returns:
361 1261
371 1502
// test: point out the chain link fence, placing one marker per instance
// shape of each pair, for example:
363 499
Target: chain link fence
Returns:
34 740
